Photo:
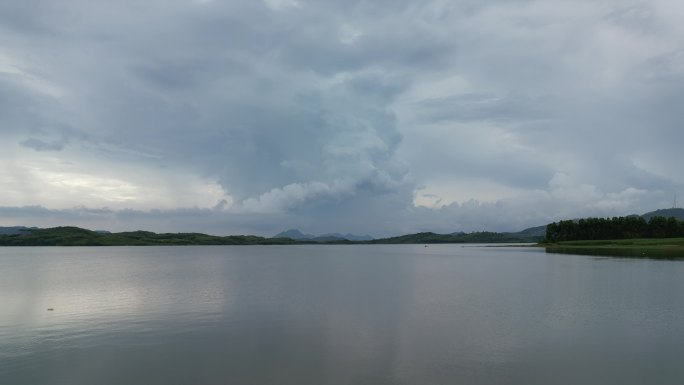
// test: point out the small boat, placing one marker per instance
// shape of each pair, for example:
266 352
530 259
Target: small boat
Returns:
50 309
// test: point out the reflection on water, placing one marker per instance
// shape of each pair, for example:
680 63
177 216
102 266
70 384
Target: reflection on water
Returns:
376 314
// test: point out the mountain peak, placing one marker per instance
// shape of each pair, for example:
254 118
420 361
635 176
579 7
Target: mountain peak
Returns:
294 234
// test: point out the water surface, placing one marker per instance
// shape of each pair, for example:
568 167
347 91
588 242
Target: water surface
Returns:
351 314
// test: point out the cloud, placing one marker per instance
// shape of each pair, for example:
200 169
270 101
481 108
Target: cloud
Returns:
40 145
343 115
293 196
281 4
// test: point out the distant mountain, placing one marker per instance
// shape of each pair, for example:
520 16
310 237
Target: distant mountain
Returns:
330 237
294 234
349 237
14 230
532 232
325 238
677 213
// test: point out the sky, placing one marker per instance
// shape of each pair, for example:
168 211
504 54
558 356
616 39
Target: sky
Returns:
371 117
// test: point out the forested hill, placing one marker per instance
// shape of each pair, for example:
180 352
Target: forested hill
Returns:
614 228
74 236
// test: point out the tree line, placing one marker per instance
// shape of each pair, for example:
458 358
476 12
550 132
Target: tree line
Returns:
614 228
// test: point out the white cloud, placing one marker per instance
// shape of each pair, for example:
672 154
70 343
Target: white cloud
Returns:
281 4
295 195
348 34
12 71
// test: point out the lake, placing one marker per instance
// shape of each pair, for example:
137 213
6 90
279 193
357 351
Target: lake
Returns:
347 314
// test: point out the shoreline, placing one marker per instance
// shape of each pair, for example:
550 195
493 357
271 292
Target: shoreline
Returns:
636 243
650 248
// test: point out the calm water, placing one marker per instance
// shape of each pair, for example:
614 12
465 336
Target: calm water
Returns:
373 315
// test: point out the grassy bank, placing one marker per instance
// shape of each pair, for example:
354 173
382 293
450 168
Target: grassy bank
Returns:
640 243
656 248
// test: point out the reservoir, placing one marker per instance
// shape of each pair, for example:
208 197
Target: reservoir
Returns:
337 314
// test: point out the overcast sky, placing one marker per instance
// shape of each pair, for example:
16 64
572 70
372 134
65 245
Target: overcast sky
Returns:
380 117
